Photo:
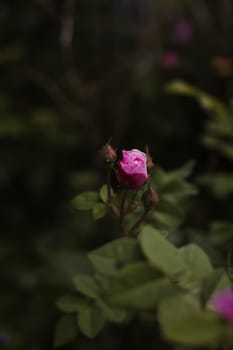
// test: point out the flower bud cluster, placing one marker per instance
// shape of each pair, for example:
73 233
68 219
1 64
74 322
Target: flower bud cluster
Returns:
132 169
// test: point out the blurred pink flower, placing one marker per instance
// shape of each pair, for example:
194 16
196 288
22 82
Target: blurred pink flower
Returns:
132 169
182 31
170 59
222 303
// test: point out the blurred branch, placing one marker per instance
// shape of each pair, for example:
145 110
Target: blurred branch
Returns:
66 44
48 8
57 95
202 14
64 104
67 25
64 18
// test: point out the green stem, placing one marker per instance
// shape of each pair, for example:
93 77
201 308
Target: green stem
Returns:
140 221
131 203
111 206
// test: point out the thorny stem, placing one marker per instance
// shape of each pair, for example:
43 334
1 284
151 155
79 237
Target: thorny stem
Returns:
131 203
120 214
123 202
111 206
140 221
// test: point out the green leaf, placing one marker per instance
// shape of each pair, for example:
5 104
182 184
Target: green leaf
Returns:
136 273
177 190
161 253
112 313
99 211
86 285
70 303
221 232
167 215
218 129
142 297
180 87
217 142
198 265
173 192
130 284
207 102
159 178
66 331
64 264
104 193
214 283
222 283
182 172
183 322
165 220
91 320
110 257
220 184
86 200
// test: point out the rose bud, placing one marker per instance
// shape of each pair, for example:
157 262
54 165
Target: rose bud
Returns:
108 153
150 198
222 303
132 169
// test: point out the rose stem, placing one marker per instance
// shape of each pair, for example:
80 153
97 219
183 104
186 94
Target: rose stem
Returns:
140 220
112 207
131 202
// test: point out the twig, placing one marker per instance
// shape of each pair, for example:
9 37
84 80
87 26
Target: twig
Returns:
55 92
123 202
139 222
131 203
67 25
111 206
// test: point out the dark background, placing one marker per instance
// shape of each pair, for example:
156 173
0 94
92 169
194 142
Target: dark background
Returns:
73 74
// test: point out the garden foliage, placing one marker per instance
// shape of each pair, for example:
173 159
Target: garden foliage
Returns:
147 274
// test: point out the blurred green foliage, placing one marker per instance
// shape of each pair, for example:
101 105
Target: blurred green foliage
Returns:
73 74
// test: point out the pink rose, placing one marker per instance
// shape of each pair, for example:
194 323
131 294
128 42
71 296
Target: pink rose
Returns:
222 303
132 169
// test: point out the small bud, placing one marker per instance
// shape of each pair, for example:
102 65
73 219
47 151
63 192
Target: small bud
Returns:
108 153
149 163
150 198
